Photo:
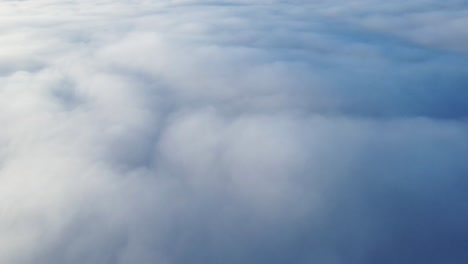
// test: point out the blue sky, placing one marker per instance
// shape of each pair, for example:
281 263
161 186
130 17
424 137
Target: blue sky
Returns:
144 131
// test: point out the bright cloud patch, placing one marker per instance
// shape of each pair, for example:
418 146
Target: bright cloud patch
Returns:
325 132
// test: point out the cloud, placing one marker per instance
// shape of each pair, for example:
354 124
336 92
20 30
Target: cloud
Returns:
233 132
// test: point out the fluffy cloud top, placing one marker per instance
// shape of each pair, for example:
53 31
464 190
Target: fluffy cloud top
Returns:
189 131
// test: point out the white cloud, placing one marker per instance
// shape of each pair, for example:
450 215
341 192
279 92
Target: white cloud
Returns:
233 132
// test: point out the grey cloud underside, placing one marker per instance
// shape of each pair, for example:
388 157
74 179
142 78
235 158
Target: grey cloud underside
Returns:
324 132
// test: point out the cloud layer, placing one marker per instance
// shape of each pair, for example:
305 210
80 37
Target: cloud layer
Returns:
324 132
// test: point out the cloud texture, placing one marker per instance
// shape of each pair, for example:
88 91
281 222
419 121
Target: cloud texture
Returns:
144 131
